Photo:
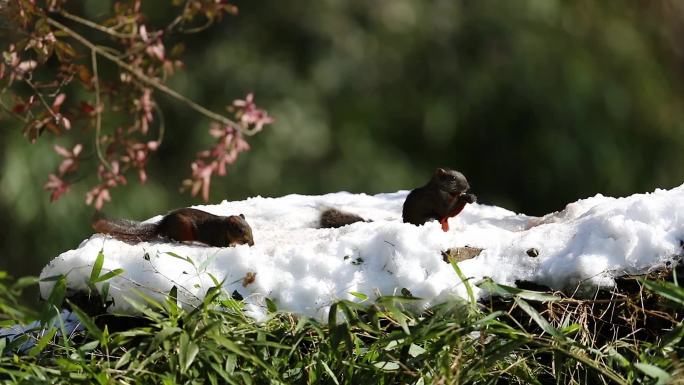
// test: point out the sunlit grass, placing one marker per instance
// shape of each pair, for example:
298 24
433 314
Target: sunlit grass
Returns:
519 337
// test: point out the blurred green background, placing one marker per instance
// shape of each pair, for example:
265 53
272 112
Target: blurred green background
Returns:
537 102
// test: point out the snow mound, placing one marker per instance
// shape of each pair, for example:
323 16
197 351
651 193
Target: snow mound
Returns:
304 269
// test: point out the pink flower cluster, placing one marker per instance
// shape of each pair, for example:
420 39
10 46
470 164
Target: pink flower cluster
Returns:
229 143
56 184
250 116
48 32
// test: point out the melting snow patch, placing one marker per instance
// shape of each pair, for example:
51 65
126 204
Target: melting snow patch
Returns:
304 269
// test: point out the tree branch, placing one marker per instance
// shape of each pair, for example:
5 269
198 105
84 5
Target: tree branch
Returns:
148 80
96 26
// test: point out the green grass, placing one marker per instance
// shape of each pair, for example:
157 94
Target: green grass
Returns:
522 337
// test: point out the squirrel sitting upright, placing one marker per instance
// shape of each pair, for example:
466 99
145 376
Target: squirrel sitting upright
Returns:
443 197
183 225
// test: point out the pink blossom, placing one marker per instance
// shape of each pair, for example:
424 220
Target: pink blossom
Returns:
229 143
143 33
66 123
26 66
70 163
98 195
250 115
59 99
156 51
56 186
146 105
201 175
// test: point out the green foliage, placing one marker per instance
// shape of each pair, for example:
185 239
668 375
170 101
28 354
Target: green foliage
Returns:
381 343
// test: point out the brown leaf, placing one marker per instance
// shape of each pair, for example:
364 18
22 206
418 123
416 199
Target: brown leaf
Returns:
250 277
84 75
65 52
459 254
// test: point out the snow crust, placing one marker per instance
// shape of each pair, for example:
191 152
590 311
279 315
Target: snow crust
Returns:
304 269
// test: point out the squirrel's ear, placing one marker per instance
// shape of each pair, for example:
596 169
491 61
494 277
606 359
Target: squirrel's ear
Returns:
242 216
441 171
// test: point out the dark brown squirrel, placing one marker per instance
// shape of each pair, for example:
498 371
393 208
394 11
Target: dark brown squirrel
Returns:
183 225
334 218
443 197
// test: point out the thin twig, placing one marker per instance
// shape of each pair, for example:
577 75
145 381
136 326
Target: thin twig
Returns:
98 112
47 106
96 26
150 81
112 50
178 18
162 125
197 29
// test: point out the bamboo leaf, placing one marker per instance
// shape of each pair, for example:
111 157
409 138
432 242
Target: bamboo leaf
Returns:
495 288
271 306
358 295
186 259
466 283
97 266
88 322
330 372
108 275
666 289
42 342
541 321
187 351
661 376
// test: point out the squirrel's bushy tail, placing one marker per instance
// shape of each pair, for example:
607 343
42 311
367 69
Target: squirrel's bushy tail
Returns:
334 218
125 230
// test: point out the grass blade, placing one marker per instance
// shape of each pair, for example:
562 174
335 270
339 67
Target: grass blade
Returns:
541 321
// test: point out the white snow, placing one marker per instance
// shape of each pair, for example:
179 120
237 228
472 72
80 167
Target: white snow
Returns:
304 269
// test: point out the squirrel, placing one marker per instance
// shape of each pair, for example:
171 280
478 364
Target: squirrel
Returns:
334 218
443 197
181 225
